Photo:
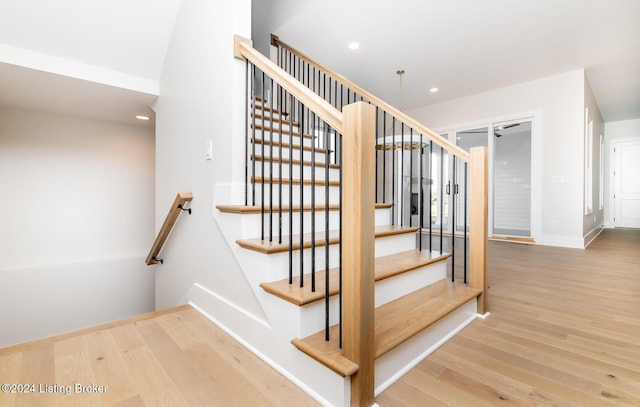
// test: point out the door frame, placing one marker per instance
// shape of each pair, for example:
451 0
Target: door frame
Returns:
535 117
612 179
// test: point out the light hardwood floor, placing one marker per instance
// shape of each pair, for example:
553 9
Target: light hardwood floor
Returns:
564 330
175 359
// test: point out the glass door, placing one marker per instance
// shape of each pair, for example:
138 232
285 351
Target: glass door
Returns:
512 179
438 176
465 139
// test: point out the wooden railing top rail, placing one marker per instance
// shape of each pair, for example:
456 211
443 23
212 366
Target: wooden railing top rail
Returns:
409 121
243 49
170 220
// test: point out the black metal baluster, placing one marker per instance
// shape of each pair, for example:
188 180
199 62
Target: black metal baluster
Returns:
339 140
411 177
377 152
253 135
246 132
327 159
394 209
271 126
420 191
384 157
313 203
430 185
262 114
466 195
292 117
441 195
452 199
401 179
281 117
303 109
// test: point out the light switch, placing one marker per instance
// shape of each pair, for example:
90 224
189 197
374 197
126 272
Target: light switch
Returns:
208 155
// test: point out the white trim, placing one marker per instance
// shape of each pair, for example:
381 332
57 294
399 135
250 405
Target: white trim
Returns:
612 169
535 117
571 242
395 377
78 70
484 316
232 305
592 235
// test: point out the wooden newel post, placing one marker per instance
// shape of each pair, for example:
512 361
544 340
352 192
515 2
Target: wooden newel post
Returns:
358 236
479 225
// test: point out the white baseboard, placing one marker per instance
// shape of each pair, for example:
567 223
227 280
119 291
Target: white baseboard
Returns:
592 235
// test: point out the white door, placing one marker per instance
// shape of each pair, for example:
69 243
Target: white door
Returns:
627 184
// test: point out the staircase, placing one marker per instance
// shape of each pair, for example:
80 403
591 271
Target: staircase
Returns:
287 238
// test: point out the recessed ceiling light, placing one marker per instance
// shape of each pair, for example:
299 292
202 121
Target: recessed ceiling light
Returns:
354 45
434 90
142 117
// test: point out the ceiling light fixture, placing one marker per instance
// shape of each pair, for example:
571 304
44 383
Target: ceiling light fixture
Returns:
400 72
434 90
354 45
142 117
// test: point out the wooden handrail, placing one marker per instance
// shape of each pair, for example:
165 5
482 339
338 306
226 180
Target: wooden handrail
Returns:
357 125
170 220
243 49
409 121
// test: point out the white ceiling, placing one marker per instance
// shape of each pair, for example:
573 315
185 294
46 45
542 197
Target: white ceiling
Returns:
93 58
103 58
468 46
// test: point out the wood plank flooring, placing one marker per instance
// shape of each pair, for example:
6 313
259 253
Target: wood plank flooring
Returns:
175 358
564 330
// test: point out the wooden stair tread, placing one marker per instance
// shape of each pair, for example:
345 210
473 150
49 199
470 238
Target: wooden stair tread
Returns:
286 145
385 267
295 181
419 310
252 209
266 247
286 160
327 352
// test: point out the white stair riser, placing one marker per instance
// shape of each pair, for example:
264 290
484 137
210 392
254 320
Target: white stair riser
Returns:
276 137
274 267
251 222
284 153
393 365
334 194
275 169
312 316
398 286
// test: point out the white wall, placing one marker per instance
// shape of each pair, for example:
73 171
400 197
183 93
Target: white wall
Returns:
557 103
614 132
201 95
77 221
593 222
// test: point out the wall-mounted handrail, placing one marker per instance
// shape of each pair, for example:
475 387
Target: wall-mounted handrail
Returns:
177 207
376 101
